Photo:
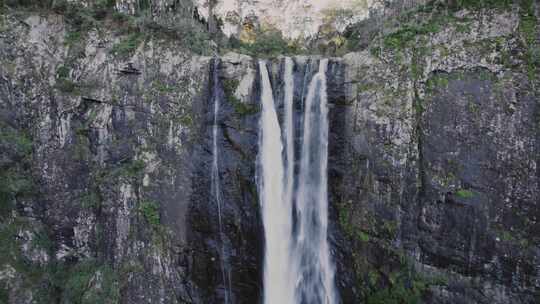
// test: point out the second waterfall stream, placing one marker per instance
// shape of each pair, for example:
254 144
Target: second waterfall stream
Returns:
294 198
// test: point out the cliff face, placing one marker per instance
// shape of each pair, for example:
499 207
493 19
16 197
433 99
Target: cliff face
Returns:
110 158
436 164
106 142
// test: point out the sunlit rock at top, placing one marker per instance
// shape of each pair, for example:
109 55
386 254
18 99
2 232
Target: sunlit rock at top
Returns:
295 18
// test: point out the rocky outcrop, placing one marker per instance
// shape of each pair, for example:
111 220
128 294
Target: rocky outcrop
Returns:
436 170
111 161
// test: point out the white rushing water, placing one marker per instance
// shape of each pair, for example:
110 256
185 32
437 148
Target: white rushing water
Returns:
216 186
276 214
289 135
297 266
315 278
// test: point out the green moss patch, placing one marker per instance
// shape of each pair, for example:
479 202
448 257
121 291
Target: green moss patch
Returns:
150 211
242 109
128 44
529 32
15 178
464 193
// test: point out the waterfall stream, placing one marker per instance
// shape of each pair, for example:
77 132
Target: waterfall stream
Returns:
278 287
216 186
315 277
297 265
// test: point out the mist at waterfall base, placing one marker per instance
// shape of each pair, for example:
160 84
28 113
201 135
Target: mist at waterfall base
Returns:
294 199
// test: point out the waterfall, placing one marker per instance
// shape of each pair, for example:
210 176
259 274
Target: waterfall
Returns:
276 214
289 133
315 271
216 185
297 263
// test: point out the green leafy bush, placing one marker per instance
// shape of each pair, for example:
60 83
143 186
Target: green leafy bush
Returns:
135 168
102 8
406 36
62 72
86 282
150 212
529 32
15 179
268 42
464 193
476 4
67 86
242 109
128 44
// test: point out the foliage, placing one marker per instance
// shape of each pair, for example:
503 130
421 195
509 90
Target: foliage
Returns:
16 141
190 34
196 40
85 282
363 237
406 36
4 294
230 86
11 244
16 183
529 32
475 4
132 169
377 228
91 199
8 243
267 42
399 293
420 20
150 212
464 193
330 39
82 19
102 8
128 44
42 240
242 109
97 9
62 72
82 282
162 87
15 180
402 286
67 86
72 38
344 213
437 81
27 3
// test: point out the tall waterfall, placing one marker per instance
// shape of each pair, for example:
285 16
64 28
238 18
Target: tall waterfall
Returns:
315 278
297 264
216 185
276 214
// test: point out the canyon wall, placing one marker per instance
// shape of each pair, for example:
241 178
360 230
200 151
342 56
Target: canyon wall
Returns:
106 153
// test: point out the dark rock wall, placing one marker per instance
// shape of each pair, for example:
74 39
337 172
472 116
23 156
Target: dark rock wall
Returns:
436 182
240 245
